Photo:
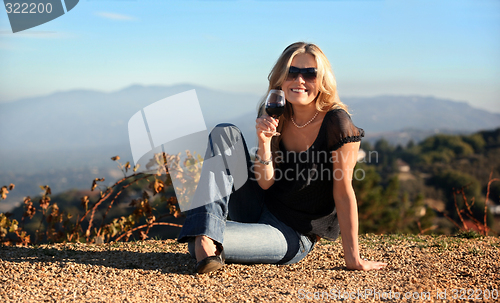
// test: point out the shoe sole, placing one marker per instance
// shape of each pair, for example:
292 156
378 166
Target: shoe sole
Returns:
209 267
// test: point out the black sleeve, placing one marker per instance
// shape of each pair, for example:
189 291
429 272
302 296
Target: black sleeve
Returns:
341 130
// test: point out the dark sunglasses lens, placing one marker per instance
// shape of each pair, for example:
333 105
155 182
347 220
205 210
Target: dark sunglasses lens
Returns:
310 74
307 73
292 75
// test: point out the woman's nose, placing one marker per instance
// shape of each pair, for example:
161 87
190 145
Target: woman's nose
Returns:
300 78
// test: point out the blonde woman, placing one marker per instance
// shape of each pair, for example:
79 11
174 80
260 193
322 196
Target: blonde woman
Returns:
297 191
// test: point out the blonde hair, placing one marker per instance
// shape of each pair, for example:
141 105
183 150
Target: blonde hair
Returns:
327 98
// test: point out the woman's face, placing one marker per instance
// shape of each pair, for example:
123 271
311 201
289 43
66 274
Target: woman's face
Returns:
300 91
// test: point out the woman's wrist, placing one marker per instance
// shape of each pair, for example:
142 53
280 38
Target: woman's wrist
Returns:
264 141
264 150
352 262
351 251
266 161
264 168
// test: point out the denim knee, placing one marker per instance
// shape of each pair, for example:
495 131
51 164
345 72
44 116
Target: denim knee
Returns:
306 245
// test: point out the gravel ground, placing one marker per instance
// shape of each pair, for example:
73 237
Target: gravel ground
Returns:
421 268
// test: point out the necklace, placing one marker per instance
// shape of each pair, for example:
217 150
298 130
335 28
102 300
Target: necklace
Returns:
307 123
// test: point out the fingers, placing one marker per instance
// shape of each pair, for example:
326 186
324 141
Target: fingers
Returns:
373 265
368 265
266 123
378 265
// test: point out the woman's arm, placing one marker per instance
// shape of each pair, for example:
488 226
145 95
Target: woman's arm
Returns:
264 173
344 160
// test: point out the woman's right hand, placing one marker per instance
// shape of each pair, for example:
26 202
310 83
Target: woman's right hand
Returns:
265 126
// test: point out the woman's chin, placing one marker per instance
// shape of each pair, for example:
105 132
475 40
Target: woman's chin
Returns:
301 101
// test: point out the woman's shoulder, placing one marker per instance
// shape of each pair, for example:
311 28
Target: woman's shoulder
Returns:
338 117
341 129
337 112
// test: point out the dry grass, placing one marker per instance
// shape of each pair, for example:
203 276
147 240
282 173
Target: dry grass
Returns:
162 271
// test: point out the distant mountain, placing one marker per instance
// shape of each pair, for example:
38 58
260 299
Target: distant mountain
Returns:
395 113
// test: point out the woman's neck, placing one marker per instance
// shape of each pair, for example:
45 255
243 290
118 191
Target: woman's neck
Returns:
303 113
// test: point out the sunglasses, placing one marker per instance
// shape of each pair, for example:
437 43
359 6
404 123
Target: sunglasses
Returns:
308 74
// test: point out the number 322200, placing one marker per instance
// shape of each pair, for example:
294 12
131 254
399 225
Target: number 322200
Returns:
28 8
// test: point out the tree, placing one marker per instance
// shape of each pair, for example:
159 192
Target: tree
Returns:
451 182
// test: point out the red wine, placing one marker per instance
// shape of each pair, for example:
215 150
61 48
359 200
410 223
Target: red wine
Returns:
275 110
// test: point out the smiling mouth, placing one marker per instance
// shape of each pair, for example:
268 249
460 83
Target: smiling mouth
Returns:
299 90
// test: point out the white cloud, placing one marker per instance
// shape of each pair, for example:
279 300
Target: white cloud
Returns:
114 16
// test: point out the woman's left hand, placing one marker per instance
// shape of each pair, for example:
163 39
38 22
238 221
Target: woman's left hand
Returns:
367 265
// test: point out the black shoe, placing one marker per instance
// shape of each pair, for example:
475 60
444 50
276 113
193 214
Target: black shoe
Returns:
211 263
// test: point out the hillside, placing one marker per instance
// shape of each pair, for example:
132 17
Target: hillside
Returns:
419 267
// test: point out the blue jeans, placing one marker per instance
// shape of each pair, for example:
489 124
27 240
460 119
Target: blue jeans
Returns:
253 234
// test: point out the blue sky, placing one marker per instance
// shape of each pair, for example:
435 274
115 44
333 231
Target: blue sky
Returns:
447 49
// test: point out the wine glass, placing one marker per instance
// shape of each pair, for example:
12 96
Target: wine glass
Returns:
275 105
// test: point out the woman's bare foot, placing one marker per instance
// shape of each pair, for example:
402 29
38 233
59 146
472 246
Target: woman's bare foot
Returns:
204 247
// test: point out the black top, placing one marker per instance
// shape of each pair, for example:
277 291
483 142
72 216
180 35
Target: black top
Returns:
302 193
